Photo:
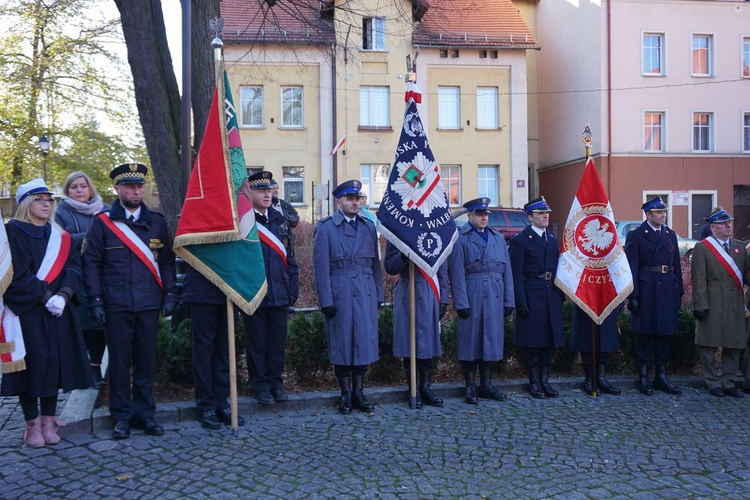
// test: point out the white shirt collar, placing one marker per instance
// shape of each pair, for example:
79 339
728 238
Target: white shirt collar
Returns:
136 213
538 231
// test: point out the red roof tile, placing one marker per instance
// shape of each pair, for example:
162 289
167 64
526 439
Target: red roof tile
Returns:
473 23
295 22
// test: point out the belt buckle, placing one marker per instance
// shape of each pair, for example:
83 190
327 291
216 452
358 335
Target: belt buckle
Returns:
664 269
547 275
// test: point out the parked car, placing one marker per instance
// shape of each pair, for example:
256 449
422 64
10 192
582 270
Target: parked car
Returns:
508 221
685 245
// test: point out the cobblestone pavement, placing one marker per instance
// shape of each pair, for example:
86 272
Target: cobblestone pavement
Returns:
631 446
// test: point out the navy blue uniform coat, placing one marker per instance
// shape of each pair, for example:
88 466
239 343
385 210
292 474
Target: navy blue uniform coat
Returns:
531 257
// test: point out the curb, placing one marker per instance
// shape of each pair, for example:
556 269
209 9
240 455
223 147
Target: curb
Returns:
82 416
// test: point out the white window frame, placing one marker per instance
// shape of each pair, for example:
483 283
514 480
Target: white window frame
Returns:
244 100
710 131
709 54
746 131
291 100
374 178
745 57
661 53
373 34
662 131
292 180
488 108
374 107
447 182
449 107
494 197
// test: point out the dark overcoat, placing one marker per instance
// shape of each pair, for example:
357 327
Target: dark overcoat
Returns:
658 293
531 257
55 350
715 291
482 281
115 274
426 308
607 334
348 276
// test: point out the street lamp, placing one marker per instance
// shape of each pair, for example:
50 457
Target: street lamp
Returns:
44 146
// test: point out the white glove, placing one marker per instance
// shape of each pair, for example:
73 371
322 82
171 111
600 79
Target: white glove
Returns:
55 305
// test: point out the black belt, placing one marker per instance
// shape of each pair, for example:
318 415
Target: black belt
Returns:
544 276
658 269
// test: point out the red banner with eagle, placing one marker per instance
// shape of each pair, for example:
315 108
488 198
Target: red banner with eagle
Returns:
593 270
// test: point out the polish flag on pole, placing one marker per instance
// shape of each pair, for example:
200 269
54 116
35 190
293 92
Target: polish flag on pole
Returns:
593 270
338 145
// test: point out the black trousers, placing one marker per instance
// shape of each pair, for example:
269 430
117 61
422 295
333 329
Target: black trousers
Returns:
651 349
131 338
210 355
95 344
265 342
601 358
538 356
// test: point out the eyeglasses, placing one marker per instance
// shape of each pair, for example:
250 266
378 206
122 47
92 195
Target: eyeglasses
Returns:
48 201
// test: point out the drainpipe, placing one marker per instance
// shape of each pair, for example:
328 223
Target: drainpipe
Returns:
609 99
334 174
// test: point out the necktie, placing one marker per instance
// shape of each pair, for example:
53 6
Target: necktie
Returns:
544 235
726 246
131 218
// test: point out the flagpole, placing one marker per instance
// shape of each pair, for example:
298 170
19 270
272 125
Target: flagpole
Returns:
412 340
587 142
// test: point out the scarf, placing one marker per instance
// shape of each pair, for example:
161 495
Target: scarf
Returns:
91 207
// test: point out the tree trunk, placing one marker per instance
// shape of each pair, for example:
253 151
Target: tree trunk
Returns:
157 97
204 82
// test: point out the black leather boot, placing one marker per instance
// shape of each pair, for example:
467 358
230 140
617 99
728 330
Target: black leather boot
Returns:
471 388
534 388
588 383
486 390
549 391
604 384
407 372
425 391
662 383
345 402
359 401
644 383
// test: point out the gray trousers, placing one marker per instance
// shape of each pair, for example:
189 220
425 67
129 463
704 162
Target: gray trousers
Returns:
730 361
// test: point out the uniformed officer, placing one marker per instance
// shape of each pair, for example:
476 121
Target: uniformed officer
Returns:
350 290
720 268
129 272
539 323
482 285
266 328
654 304
431 296
282 206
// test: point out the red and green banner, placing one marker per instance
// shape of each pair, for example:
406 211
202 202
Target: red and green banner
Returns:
216 233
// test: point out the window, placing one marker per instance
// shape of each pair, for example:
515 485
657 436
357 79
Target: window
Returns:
702 52
746 57
253 169
252 106
482 54
373 30
702 125
374 179
487 180
374 107
653 125
293 185
291 107
746 133
487 108
449 113
653 54
451 176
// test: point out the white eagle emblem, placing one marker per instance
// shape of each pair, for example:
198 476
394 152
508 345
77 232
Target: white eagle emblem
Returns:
596 237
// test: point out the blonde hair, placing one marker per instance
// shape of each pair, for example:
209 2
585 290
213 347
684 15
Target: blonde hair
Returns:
22 212
77 175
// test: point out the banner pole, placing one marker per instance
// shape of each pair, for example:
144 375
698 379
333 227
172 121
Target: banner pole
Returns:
593 358
232 365
412 340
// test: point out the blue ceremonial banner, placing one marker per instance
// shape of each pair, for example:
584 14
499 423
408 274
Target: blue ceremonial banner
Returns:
414 213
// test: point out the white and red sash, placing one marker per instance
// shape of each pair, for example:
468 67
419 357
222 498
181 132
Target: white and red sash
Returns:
270 239
12 347
135 244
432 281
726 261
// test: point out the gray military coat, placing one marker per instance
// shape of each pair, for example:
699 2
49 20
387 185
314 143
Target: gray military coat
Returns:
426 309
482 281
347 276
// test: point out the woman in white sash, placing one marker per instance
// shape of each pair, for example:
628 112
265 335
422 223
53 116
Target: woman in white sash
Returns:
46 276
